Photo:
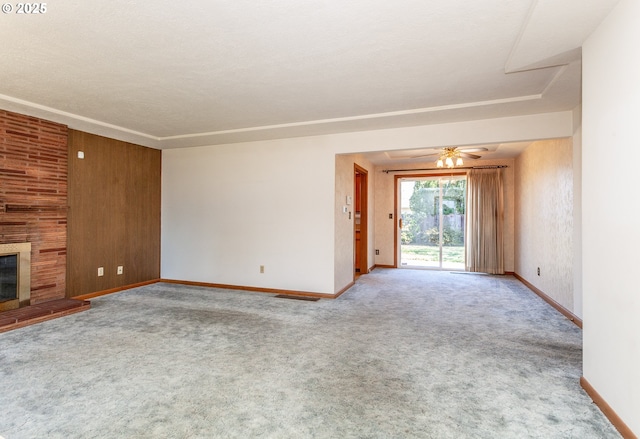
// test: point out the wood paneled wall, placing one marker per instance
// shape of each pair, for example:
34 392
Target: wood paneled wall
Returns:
114 213
33 197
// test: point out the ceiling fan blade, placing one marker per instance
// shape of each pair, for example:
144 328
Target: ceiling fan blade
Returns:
425 155
472 149
468 156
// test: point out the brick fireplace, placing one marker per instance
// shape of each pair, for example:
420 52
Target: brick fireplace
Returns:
33 202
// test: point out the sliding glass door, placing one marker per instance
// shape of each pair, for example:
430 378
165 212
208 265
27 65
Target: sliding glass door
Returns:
432 211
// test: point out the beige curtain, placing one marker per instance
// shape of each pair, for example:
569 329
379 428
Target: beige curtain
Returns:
485 217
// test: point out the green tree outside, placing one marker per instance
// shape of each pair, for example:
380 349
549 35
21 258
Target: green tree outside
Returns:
421 225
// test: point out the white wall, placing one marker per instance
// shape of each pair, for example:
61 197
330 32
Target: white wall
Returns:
344 239
544 218
611 232
228 209
577 211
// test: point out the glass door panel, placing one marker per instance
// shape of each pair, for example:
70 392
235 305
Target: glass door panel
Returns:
432 211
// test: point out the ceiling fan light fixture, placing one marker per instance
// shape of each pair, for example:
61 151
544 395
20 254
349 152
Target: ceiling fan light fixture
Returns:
451 155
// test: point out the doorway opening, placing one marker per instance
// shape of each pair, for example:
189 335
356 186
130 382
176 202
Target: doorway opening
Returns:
360 223
431 228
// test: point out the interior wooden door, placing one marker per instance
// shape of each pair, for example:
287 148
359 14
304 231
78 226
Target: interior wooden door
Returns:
360 223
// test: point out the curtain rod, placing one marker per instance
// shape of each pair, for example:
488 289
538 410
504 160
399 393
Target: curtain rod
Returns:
386 171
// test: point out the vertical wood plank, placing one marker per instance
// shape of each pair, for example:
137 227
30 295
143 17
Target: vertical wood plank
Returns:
114 213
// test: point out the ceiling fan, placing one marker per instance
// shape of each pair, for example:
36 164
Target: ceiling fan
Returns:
451 156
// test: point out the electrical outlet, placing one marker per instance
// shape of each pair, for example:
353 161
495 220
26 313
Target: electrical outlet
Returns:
538 271
120 269
377 252
262 269
100 271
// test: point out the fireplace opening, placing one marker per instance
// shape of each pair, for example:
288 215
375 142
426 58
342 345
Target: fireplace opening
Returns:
8 277
15 275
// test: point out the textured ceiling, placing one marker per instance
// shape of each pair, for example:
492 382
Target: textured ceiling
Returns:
168 74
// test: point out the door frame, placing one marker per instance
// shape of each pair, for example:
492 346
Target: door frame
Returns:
396 202
361 197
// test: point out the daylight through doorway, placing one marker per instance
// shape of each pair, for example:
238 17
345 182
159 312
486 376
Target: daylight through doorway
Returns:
432 226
